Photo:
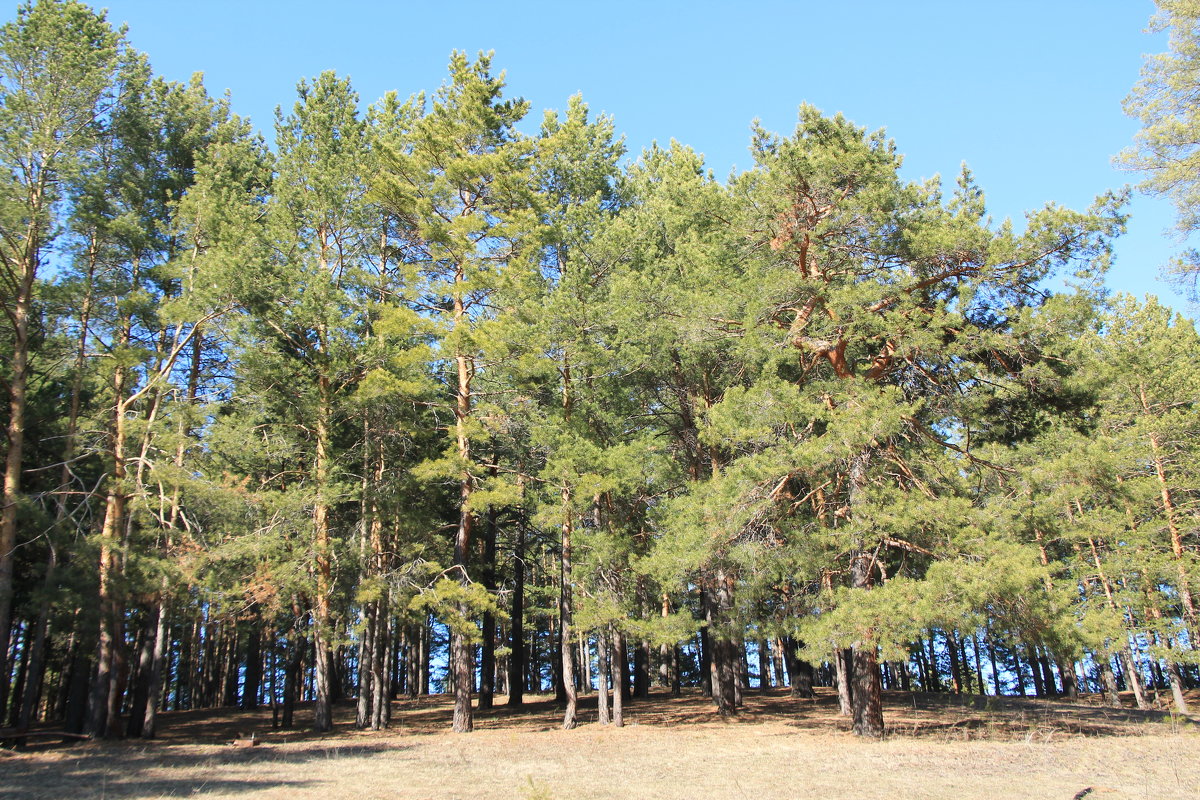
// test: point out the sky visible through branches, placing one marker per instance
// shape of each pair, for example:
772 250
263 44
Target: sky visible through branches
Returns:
1028 94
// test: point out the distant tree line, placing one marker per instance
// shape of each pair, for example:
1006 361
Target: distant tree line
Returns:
409 400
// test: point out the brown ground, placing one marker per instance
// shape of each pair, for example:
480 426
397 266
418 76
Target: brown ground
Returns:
938 746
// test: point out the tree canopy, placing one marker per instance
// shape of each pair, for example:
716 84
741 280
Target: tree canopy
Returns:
410 399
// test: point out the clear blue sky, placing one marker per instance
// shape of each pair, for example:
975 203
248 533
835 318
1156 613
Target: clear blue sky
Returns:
1027 93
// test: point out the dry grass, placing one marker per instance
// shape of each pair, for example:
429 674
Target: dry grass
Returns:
938 747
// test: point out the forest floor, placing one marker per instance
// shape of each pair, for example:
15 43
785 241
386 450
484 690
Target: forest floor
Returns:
937 746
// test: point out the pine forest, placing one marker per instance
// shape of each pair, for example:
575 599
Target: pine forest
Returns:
401 400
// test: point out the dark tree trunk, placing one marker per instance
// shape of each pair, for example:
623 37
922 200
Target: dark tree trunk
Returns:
1108 681
724 672
381 690
964 664
620 672
800 672
991 648
141 685
323 680
158 666
778 668
676 688
956 681
20 641
229 667
37 652
487 653
254 665
1047 675
978 665
1066 671
75 716
867 696
1039 686
424 654
641 669
366 665
516 658
931 666
741 669
1017 673
292 677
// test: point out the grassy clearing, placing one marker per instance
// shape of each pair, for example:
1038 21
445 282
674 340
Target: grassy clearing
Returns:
938 747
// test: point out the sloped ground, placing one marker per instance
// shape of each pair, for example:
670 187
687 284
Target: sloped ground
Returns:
939 746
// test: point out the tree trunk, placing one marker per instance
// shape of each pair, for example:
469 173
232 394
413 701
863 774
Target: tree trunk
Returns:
604 675
462 654
1108 681
1047 675
1169 511
843 662
777 661
37 652
641 669
931 666
516 658
978 664
991 648
254 664
724 674
620 678
1134 679
741 671
800 672
1175 676
564 612
867 695
666 653
1066 671
621 660
157 663
22 312
292 675
425 654
364 708
583 672
323 567
21 665
136 725
956 681
75 701
381 691
764 666
487 654
1039 685
101 711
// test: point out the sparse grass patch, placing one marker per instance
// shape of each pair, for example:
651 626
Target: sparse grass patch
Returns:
937 746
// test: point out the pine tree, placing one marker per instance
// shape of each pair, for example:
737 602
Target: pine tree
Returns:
456 184
891 302
57 69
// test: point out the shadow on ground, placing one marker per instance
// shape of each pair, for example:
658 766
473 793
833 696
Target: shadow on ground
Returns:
195 746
